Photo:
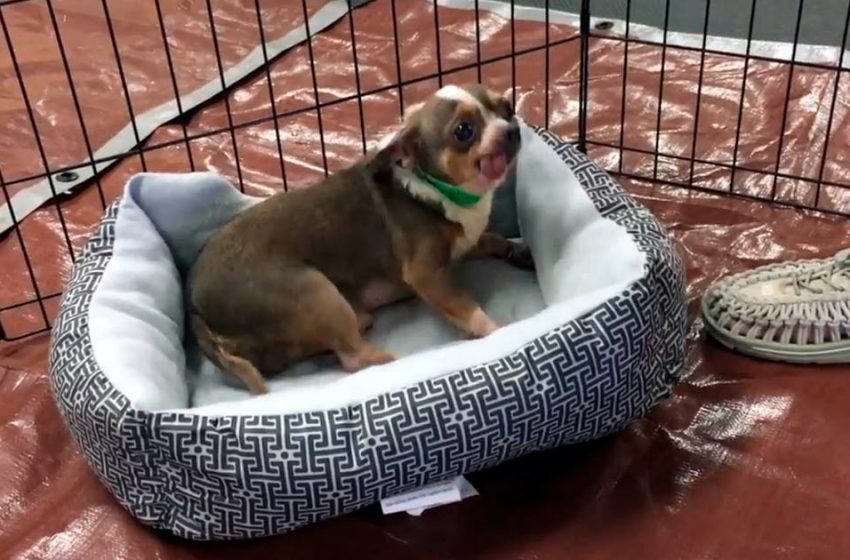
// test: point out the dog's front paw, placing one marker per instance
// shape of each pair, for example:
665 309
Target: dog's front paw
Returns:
480 324
520 256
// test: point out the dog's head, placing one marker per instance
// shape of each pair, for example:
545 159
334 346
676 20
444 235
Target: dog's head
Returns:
465 136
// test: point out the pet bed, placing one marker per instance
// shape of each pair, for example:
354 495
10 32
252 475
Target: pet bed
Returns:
592 340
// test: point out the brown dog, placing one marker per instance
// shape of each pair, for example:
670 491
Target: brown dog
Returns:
301 273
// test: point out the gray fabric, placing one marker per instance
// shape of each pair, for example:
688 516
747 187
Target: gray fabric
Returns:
184 217
504 219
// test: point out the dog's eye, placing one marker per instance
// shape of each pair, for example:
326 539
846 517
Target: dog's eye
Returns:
464 131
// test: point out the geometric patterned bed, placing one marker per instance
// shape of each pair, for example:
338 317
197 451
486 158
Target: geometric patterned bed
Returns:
203 477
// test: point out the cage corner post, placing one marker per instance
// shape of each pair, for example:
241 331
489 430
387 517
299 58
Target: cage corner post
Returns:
584 33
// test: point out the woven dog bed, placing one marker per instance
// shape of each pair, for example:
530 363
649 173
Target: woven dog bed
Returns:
592 341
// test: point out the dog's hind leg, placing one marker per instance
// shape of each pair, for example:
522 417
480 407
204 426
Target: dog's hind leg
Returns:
330 320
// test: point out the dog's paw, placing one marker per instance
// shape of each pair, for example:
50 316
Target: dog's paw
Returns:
364 321
367 356
519 255
481 325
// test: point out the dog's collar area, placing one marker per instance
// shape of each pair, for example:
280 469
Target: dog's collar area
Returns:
455 194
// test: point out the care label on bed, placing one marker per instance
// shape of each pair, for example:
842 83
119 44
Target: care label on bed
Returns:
427 497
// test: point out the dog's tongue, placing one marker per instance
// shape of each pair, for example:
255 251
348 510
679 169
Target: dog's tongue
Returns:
493 167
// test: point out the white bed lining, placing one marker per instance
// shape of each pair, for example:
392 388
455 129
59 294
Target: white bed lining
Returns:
583 260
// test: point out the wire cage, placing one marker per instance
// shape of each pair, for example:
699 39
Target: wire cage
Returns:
747 99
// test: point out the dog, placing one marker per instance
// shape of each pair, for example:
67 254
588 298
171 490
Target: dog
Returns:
301 273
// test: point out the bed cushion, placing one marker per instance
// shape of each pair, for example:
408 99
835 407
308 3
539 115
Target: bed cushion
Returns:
593 340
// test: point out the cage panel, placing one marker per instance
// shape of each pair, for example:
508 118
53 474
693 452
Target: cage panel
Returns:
684 106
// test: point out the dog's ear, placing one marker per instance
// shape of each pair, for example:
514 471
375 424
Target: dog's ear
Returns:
407 140
505 109
399 149
503 106
403 147
411 112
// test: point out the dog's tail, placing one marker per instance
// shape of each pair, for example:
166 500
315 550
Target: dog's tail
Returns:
214 348
206 340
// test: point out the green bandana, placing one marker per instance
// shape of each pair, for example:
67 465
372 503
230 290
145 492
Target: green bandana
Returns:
457 195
